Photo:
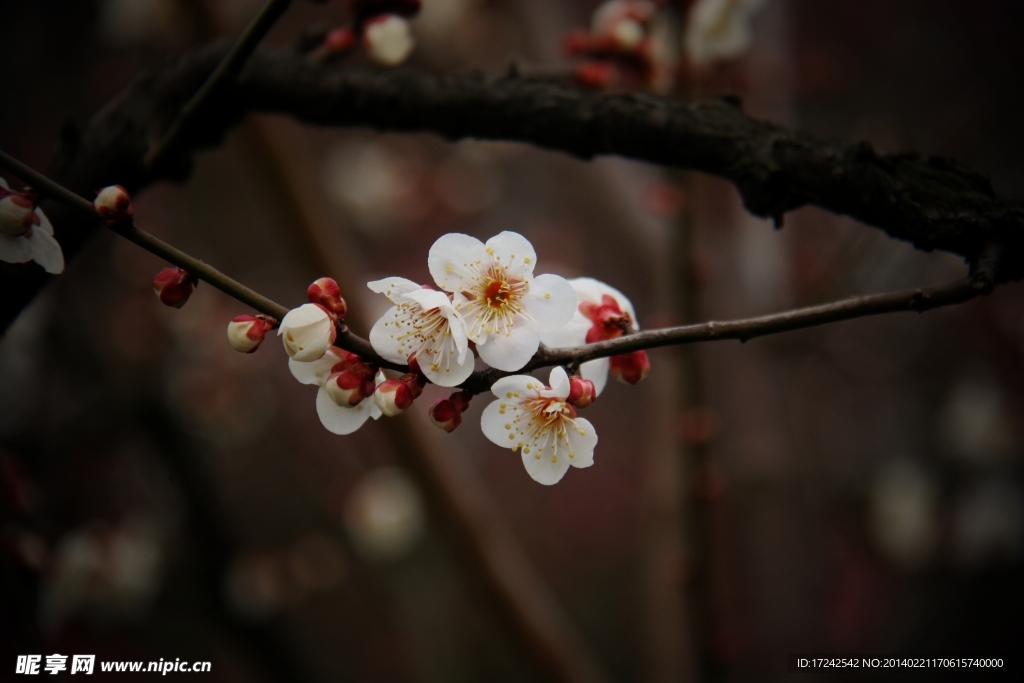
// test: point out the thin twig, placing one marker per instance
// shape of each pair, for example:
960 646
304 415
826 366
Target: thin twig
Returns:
226 71
920 300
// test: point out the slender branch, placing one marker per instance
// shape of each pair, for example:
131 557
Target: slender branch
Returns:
226 71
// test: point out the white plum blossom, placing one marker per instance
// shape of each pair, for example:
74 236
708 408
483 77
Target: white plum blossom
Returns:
505 307
307 332
26 233
623 21
424 322
596 319
337 419
719 29
539 422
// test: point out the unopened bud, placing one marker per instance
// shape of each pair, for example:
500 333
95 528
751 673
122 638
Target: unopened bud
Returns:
630 367
173 286
246 332
349 387
325 292
595 74
446 413
581 392
392 397
114 205
388 39
339 40
17 212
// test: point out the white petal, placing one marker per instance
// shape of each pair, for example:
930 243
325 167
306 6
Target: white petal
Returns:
573 333
457 327
542 470
493 421
315 372
597 372
449 257
429 298
515 252
45 251
512 384
392 286
306 314
44 223
3 184
338 420
14 249
510 352
384 338
558 380
306 332
550 301
448 374
582 444
375 411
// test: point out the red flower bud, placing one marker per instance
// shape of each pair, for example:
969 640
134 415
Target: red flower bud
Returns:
630 367
114 205
446 413
595 74
326 293
581 392
173 286
246 332
349 387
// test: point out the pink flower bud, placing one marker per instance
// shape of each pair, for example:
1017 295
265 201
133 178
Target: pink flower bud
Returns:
246 332
325 292
173 286
388 39
114 205
17 212
581 392
594 74
392 397
446 413
630 367
349 387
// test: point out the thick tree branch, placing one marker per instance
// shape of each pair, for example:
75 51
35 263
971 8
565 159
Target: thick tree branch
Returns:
930 202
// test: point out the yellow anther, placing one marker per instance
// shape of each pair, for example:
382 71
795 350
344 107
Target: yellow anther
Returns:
526 259
547 295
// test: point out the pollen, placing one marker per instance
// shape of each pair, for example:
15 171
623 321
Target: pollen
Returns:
526 259
512 437
448 269
490 250
508 426
554 458
547 295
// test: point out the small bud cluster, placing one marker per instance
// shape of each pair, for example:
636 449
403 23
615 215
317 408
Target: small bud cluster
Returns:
383 28
446 413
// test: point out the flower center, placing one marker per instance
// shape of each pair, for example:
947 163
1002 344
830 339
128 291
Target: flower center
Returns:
496 297
425 333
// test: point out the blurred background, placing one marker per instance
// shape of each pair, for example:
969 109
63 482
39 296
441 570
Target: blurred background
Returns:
851 488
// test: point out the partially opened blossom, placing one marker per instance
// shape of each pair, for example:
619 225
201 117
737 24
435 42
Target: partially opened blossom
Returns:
246 332
603 313
307 332
423 322
326 292
25 232
337 418
539 421
114 205
505 307
719 29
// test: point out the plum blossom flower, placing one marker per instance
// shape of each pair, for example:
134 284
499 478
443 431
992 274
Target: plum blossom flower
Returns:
25 232
307 332
388 39
505 307
540 422
337 414
603 313
246 332
719 29
422 322
114 205
174 286
446 413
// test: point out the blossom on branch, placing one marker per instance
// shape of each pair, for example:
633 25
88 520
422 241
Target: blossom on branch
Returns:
246 332
25 232
383 26
423 322
325 292
307 332
388 39
174 286
719 29
603 313
446 413
540 422
335 370
114 205
505 307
